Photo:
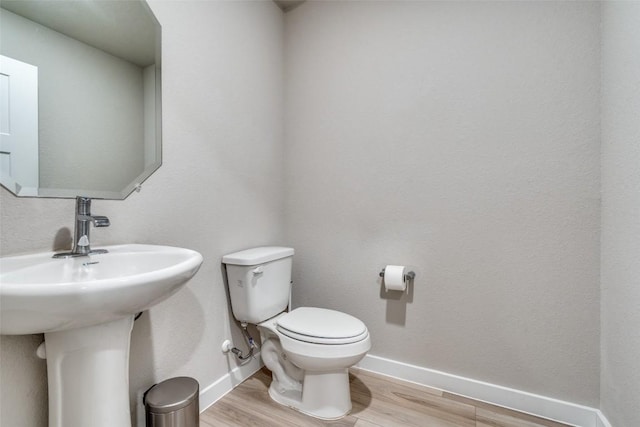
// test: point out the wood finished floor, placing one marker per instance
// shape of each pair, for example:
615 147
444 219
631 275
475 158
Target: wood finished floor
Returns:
378 401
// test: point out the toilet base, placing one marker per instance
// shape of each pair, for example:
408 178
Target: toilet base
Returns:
325 395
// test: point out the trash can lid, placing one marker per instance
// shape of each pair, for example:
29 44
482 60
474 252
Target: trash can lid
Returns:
171 395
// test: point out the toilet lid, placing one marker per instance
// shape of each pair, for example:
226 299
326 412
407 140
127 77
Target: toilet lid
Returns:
322 326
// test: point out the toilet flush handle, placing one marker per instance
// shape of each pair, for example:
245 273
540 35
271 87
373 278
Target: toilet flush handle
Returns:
258 270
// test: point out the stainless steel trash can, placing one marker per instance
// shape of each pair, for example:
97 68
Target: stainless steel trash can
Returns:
173 403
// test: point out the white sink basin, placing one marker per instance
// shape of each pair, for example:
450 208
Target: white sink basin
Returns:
41 294
85 307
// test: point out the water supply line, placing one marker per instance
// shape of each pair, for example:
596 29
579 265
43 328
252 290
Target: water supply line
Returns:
250 342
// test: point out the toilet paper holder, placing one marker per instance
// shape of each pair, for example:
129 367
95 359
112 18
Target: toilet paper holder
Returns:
410 275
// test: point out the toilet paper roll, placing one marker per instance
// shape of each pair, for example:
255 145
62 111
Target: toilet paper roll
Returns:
394 278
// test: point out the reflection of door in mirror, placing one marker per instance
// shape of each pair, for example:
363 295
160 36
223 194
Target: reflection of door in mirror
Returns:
19 125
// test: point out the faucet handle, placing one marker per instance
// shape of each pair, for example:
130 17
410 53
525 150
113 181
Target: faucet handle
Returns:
100 221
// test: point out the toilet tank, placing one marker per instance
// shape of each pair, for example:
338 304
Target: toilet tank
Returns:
259 282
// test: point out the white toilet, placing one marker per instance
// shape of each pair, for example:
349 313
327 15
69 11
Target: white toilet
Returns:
308 350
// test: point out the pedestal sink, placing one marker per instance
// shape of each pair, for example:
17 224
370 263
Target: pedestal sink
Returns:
85 308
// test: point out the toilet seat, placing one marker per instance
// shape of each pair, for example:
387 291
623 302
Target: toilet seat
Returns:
322 326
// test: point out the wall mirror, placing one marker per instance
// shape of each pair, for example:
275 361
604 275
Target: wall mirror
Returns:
80 97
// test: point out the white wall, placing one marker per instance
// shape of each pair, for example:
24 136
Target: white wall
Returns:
461 138
219 190
620 369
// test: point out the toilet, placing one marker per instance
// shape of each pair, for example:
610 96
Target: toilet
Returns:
308 350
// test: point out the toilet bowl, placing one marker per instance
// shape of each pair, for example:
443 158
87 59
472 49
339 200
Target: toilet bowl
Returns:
310 359
308 350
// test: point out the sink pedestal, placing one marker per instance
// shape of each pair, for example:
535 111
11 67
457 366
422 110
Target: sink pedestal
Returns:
88 375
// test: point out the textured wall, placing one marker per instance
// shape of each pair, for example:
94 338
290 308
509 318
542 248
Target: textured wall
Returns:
620 375
219 190
461 138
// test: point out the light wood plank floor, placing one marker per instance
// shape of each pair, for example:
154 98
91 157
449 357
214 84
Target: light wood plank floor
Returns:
378 401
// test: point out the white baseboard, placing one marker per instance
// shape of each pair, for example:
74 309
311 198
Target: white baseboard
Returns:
554 409
211 393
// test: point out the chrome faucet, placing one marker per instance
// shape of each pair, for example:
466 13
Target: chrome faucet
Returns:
84 219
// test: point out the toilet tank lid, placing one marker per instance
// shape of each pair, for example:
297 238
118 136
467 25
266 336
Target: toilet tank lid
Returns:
255 256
